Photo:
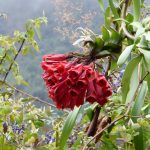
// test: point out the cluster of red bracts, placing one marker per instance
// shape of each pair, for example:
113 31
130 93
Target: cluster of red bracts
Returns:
70 83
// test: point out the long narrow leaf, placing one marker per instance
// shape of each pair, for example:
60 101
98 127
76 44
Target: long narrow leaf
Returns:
123 57
127 77
107 17
137 9
146 57
139 101
113 9
101 4
138 140
68 126
105 34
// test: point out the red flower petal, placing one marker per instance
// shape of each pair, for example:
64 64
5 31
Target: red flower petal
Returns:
75 72
55 57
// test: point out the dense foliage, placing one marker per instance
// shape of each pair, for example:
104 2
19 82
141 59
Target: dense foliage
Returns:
121 53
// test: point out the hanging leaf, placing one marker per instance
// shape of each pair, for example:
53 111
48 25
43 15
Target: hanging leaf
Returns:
126 80
137 9
113 9
107 17
101 4
133 85
136 110
125 54
146 57
139 101
68 126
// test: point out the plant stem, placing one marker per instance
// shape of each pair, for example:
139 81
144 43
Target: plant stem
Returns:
92 128
10 67
123 25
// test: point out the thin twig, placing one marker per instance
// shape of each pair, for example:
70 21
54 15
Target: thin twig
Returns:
119 118
10 67
29 95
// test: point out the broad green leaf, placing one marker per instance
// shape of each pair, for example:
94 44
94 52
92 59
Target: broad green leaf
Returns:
127 76
99 43
125 54
137 9
115 37
101 4
105 33
113 9
68 126
146 57
107 17
129 18
136 110
133 85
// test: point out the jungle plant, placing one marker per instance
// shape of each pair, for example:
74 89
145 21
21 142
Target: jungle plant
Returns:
103 88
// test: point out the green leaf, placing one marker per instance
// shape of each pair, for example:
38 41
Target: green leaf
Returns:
146 57
148 81
105 33
99 43
133 85
107 17
37 29
38 123
68 126
143 43
113 9
124 55
115 37
129 18
101 4
128 75
90 113
137 9
136 110
139 140
139 32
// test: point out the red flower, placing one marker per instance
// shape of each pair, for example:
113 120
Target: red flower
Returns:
69 84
